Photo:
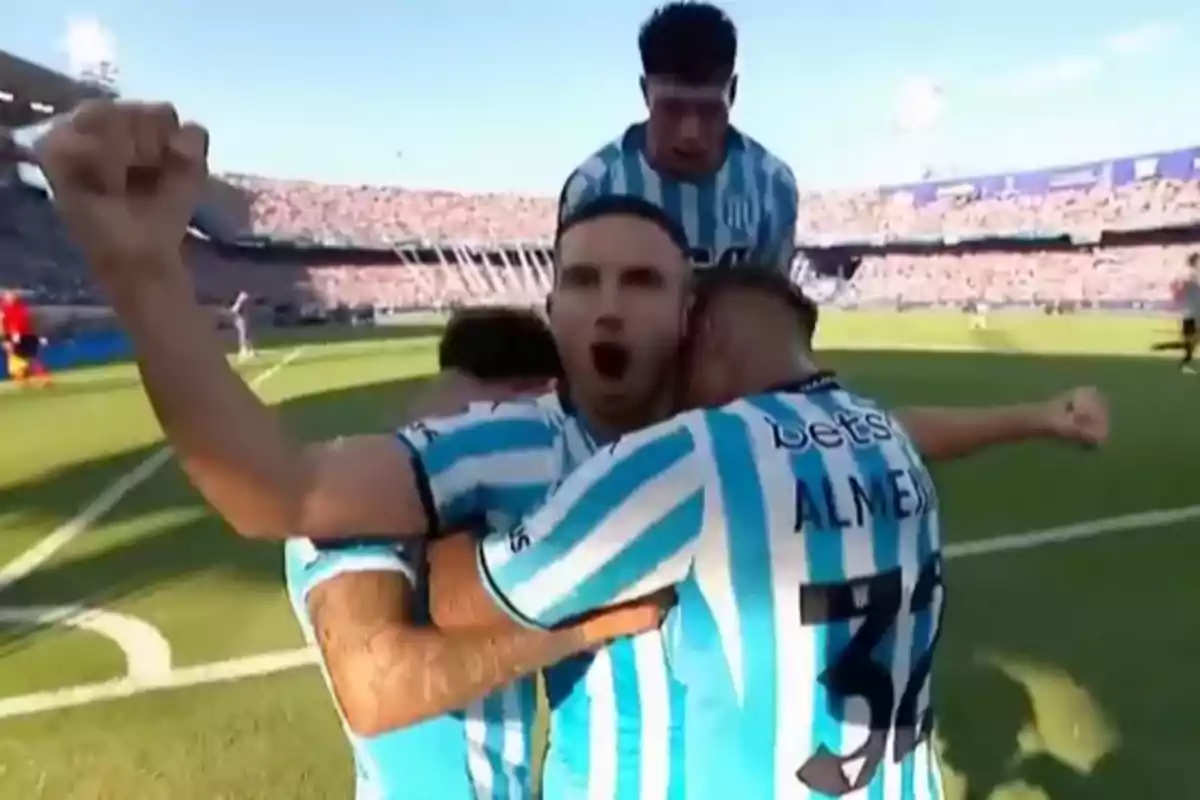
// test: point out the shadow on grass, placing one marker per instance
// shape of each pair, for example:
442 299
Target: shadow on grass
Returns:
1150 463
138 562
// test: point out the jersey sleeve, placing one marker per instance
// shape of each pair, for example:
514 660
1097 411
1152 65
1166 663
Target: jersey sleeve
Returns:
493 459
785 204
621 526
308 563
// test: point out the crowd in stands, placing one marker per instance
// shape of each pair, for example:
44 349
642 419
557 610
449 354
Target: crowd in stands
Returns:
394 249
1148 204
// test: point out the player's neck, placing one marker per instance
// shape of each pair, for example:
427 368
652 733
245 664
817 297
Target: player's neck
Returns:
787 367
661 165
607 425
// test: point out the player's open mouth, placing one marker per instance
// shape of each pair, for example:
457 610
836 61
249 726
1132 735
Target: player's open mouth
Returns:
610 359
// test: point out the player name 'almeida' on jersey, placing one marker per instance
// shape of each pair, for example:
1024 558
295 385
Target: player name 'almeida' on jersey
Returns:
745 212
800 529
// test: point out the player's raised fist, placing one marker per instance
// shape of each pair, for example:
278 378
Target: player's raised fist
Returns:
1080 415
126 178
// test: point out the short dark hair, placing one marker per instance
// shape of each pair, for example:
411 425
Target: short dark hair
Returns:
499 344
764 279
695 43
607 205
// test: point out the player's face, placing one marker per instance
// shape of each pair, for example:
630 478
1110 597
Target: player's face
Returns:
687 124
618 312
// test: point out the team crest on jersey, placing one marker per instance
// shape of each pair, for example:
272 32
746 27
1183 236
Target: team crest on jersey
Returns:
740 213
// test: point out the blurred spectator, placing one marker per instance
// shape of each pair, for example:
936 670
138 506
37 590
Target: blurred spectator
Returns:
309 244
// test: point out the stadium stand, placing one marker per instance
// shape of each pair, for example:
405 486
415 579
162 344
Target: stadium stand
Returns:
1109 234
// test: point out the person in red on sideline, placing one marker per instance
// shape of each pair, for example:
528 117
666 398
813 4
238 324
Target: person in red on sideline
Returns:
21 342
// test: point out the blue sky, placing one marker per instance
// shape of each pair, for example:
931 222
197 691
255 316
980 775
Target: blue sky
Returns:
510 94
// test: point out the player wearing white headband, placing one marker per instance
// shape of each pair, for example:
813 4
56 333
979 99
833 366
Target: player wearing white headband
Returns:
735 199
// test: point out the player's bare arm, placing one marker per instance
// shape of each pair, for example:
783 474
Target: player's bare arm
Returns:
389 674
126 179
1078 416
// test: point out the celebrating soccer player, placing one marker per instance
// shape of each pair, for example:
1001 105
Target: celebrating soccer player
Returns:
735 200
800 528
363 602
618 311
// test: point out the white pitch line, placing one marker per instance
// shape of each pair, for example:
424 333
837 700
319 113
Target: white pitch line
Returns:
217 672
147 652
1069 533
64 534
282 660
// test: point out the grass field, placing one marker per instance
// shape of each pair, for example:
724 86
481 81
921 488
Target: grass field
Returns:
1064 671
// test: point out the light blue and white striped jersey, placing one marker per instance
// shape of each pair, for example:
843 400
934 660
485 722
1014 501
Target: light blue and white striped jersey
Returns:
800 529
481 753
745 212
616 717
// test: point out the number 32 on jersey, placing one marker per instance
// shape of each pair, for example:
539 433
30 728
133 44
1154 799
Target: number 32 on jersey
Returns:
861 616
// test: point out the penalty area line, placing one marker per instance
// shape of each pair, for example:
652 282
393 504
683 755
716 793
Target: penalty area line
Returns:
89 515
283 660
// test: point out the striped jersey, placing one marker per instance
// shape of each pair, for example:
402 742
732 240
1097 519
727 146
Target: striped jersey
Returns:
481 753
615 716
800 529
745 212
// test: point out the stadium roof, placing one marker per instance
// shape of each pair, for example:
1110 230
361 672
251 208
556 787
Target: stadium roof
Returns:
1180 165
29 93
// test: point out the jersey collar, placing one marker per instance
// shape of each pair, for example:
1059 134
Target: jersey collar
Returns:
822 381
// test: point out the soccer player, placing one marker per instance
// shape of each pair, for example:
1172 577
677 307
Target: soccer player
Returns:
22 344
734 198
1189 301
618 311
240 313
362 603
800 529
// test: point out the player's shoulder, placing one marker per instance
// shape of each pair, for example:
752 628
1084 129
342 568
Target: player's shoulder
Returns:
609 156
482 415
663 443
773 166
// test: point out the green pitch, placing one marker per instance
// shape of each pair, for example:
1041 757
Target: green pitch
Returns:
1064 671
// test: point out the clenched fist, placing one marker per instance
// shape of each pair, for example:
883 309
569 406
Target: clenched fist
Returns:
126 178
1079 415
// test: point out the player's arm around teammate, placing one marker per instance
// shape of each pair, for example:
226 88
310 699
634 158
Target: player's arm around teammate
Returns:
386 670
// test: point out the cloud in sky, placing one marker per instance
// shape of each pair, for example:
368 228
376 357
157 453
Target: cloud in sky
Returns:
88 45
1068 71
1137 40
918 103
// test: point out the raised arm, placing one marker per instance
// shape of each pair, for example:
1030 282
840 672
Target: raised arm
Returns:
388 673
126 179
1079 416
622 526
